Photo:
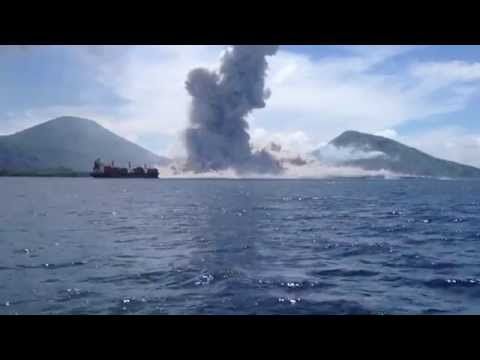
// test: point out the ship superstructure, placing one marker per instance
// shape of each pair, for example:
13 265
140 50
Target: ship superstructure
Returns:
101 170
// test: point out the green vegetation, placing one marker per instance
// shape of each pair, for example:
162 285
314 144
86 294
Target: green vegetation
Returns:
398 157
59 172
69 142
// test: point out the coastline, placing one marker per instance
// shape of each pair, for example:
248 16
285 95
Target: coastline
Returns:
43 174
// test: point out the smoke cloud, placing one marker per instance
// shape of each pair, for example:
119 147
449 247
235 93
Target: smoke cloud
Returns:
218 138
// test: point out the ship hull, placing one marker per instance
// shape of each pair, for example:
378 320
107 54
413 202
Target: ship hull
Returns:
129 176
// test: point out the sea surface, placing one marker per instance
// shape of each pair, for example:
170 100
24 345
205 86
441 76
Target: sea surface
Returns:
139 246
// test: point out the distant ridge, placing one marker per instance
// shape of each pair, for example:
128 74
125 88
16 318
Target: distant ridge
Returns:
398 157
72 143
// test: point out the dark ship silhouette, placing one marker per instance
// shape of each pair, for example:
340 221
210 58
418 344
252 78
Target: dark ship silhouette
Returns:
110 171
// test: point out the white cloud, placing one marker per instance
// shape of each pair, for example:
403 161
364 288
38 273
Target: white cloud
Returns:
150 78
381 52
293 142
388 133
330 154
450 143
327 96
447 72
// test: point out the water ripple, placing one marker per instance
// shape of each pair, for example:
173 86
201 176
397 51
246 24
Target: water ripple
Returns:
239 246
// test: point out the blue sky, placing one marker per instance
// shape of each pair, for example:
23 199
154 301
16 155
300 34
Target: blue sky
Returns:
425 96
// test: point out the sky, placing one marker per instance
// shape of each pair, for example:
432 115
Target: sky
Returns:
424 96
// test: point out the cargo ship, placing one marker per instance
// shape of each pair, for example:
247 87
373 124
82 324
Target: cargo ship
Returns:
110 171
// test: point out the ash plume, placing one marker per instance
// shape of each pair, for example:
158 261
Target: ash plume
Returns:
217 138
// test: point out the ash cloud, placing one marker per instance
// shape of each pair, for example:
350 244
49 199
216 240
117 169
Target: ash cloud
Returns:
218 138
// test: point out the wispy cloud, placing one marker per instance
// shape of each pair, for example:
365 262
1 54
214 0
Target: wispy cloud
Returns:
330 95
388 133
447 73
449 142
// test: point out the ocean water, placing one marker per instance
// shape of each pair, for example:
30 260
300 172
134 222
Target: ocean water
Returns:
98 246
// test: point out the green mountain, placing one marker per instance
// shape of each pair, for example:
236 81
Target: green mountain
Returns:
382 153
71 143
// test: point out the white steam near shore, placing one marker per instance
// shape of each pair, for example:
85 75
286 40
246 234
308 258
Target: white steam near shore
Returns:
310 171
331 154
295 166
